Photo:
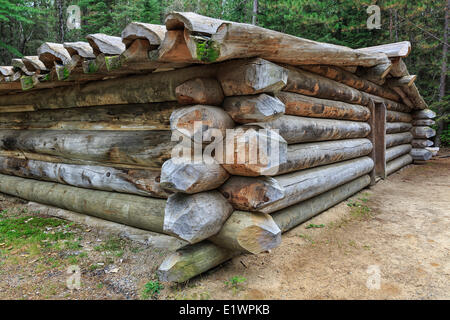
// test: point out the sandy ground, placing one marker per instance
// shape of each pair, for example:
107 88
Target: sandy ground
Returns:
391 241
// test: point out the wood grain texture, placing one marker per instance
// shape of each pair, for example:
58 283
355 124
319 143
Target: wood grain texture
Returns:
398 163
423 132
253 108
394 139
396 127
397 151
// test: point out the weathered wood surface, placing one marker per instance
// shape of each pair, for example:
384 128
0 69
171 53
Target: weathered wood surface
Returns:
248 232
192 260
396 127
153 33
309 155
32 63
254 151
395 139
251 76
398 163
397 151
392 50
396 116
420 154
195 217
254 108
194 122
7 70
402 81
292 216
151 116
399 68
102 43
423 122
300 105
301 129
378 125
311 84
140 182
18 64
80 48
423 132
50 52
376 74
173 48
421 143
434 150
390 105
193 22
184 175
424 114
154 87
146 148
352 80
413 93
297 186
140 212
200 91
405 98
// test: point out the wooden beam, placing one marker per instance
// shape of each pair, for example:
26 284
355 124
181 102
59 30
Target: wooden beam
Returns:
398 163
253 108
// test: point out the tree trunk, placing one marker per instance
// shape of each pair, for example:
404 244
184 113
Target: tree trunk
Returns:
396 116
396 127
423 132
395 139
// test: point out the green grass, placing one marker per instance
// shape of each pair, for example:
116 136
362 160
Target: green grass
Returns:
152 289
314 226
235 283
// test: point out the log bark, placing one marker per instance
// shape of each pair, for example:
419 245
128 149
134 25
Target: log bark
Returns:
252 151
423 132
352 80
424 114
395 139
397 164
390 105
396 116
136 211
151 116
311 84
297 186
254 108
376 74
146 148
421 143
396 127
397 151
102 43
414 95
392 50
195 217
421 154
402 81
192 260
248 232
290 217
140 182
194 122
153 33
80 48
423 122
200 91
251 76
154 87
301 129
309 155
179 175
300 105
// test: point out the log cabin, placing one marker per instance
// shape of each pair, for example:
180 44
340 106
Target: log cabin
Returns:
95 127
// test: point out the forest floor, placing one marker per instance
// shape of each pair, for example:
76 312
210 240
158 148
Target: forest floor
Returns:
391 241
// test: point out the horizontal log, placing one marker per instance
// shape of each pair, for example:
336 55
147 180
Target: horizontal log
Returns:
248 232
6 71
151 116
297 186
395 116
140 182
153 33
399 68
311 84
397 151
80 48
423 132
301 129
292 216
423 122
136 211
405 98
398 163
252 76
200 91
50 52
179 175
352 80
146 148
390 104
309 155
434 150
414 95
394 139
195 217
402 81
424 114
420 154
392 50
254 108
396 127
376 74
421 143
300 105
102 43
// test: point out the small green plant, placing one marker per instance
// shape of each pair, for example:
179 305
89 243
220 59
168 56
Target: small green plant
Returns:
358 209
152 289
235 283
312 225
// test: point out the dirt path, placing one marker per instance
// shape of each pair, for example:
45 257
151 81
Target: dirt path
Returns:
397 232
